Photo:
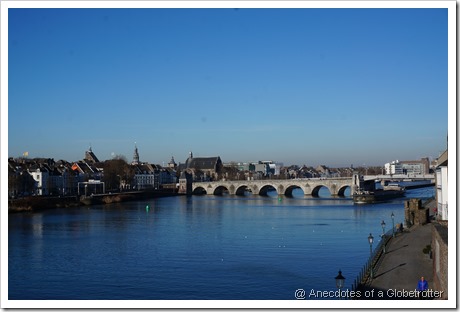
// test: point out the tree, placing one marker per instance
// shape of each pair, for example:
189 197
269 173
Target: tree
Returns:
117 173
230 171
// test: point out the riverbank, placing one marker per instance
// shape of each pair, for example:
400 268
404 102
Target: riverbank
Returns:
407 257
40 203
125 196
401 267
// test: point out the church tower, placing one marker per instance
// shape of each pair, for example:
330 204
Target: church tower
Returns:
172 164
136 156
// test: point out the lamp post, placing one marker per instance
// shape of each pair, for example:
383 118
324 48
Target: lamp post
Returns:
371 240
383 235
393 220
339 282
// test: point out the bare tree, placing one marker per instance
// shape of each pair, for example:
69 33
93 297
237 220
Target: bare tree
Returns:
117 172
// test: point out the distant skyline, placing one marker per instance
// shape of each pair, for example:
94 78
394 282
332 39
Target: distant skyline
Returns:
298 86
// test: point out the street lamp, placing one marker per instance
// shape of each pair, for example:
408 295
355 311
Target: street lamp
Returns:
393 220
371 240
339 282
383 235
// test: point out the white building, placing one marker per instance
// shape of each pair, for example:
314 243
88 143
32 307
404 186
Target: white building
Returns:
394 167
41 177
441 186
408 167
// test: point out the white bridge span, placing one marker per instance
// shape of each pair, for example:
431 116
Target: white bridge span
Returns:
310 187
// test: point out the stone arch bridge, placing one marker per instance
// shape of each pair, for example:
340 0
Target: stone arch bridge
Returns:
310 187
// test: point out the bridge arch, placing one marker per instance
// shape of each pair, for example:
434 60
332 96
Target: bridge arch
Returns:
263 191
342 189
220 190
315 190
240 190
199 190
290 188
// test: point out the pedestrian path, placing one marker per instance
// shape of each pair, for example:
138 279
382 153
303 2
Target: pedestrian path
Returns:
403 264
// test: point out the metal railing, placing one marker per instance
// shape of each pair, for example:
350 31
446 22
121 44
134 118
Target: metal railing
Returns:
373 262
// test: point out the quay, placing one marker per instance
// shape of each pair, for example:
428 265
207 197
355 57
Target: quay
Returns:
402 265
39 203
397 271
109 198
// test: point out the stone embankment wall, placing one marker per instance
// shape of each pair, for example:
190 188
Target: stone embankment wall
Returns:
35 203
38 203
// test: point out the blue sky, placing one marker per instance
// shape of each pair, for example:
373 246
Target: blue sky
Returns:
298 86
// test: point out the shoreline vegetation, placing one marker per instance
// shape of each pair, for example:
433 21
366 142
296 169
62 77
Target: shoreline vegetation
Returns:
40 203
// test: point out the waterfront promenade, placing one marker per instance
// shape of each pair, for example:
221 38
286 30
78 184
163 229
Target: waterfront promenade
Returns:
401 267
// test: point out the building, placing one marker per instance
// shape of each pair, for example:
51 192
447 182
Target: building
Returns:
394 167
90 156
172 164
416 167
439 240
20 182
89 168
185 183
262 168
265 168
145 177
53 178
150 176
87 171
41 177
166 175
442 187
203 168
408 167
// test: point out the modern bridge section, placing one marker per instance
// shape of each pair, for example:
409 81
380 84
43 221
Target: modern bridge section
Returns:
310 187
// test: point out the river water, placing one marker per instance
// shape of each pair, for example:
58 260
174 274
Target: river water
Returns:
199 247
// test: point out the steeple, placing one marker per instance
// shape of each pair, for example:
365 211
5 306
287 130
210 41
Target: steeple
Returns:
136 156
172 164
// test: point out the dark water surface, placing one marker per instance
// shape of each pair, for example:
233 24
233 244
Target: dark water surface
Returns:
200 247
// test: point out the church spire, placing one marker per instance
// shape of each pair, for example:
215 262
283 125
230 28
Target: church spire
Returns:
136 155
172 164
